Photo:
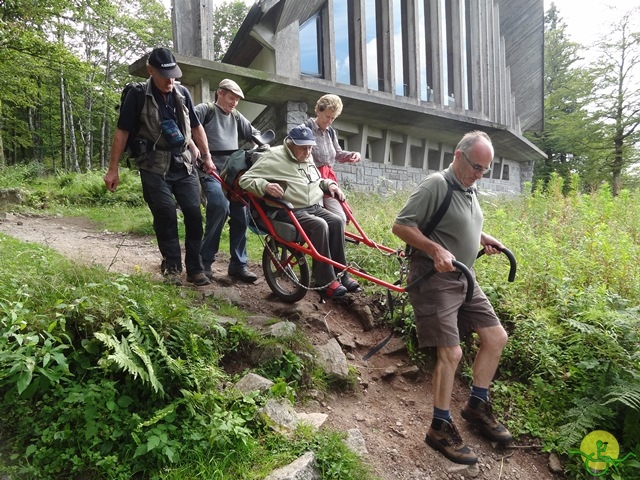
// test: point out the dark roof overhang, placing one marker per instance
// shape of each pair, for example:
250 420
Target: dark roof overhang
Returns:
376 109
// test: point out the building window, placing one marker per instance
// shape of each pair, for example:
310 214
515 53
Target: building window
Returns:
341 35
469 64
448 159
373 81
448 56
422 62
505 172
433 160
496 168
311 52
399 39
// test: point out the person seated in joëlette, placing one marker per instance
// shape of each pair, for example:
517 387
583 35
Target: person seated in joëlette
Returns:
288 172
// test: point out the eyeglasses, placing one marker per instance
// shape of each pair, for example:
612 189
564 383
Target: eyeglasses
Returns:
312 173
476 166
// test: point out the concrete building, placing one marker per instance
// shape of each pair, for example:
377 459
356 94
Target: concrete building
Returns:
414 76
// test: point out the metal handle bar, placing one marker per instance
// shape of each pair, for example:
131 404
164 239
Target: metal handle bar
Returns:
459 266
279 201
510 256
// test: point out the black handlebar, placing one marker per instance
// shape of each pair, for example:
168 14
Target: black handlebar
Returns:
283 203
512 260
460 266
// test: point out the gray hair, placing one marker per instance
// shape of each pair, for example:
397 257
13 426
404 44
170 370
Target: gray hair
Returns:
471 138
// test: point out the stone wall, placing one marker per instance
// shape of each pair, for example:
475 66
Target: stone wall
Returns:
369 176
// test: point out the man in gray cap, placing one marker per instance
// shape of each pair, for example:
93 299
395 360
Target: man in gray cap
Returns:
288 172
161 114
225 128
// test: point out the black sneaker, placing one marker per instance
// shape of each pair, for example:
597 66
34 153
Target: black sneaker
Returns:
478 412
448 441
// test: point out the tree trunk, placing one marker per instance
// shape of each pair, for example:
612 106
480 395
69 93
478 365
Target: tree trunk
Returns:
73 146
3 160
63 126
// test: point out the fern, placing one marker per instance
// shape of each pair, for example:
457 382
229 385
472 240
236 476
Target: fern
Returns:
121 355
582 419
628 395
130 350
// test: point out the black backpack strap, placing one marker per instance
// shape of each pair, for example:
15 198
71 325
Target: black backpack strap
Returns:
435 219
209 115
442 209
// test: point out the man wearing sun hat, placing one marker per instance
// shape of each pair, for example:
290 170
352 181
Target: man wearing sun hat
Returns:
162 114
226 128
288 172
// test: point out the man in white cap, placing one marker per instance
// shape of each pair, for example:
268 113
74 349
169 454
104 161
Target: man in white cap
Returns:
225 128
162 115
288 172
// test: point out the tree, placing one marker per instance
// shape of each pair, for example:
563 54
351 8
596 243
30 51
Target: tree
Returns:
567 89
64 65
617 101
227 18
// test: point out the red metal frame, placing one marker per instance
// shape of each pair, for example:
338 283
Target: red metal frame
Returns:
306 247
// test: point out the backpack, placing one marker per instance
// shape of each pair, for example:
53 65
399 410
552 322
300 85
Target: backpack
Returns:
209 115
133 145
236 164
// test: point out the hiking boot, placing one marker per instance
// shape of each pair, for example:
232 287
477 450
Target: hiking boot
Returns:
478 412
334 290
173 278
208 274
243 274
198 279
448 441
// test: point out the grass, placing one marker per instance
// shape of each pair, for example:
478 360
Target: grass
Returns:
114 376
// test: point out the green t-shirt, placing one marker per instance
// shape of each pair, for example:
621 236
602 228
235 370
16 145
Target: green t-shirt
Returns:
461 226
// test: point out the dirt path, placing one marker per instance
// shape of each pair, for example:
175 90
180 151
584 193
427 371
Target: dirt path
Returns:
392 411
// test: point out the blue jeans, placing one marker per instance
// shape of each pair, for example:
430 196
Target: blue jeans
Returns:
218 210
159 191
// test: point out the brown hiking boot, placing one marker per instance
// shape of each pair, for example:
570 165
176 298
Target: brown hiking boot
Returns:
448 441
482 416
199 279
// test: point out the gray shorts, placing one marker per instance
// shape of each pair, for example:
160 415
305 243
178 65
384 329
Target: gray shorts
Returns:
442 318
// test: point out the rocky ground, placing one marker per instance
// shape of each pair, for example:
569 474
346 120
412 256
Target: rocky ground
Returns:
392 404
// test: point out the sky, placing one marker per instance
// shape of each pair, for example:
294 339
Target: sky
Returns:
587 20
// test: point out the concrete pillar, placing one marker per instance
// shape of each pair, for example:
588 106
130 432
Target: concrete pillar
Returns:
193 36
358 143
386 52
491 79
193 28
478 79
411 48
328 33
358 47
425 155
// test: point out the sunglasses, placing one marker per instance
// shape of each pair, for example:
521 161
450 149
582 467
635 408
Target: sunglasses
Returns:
476 166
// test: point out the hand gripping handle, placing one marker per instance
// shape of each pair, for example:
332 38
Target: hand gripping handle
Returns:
460 266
